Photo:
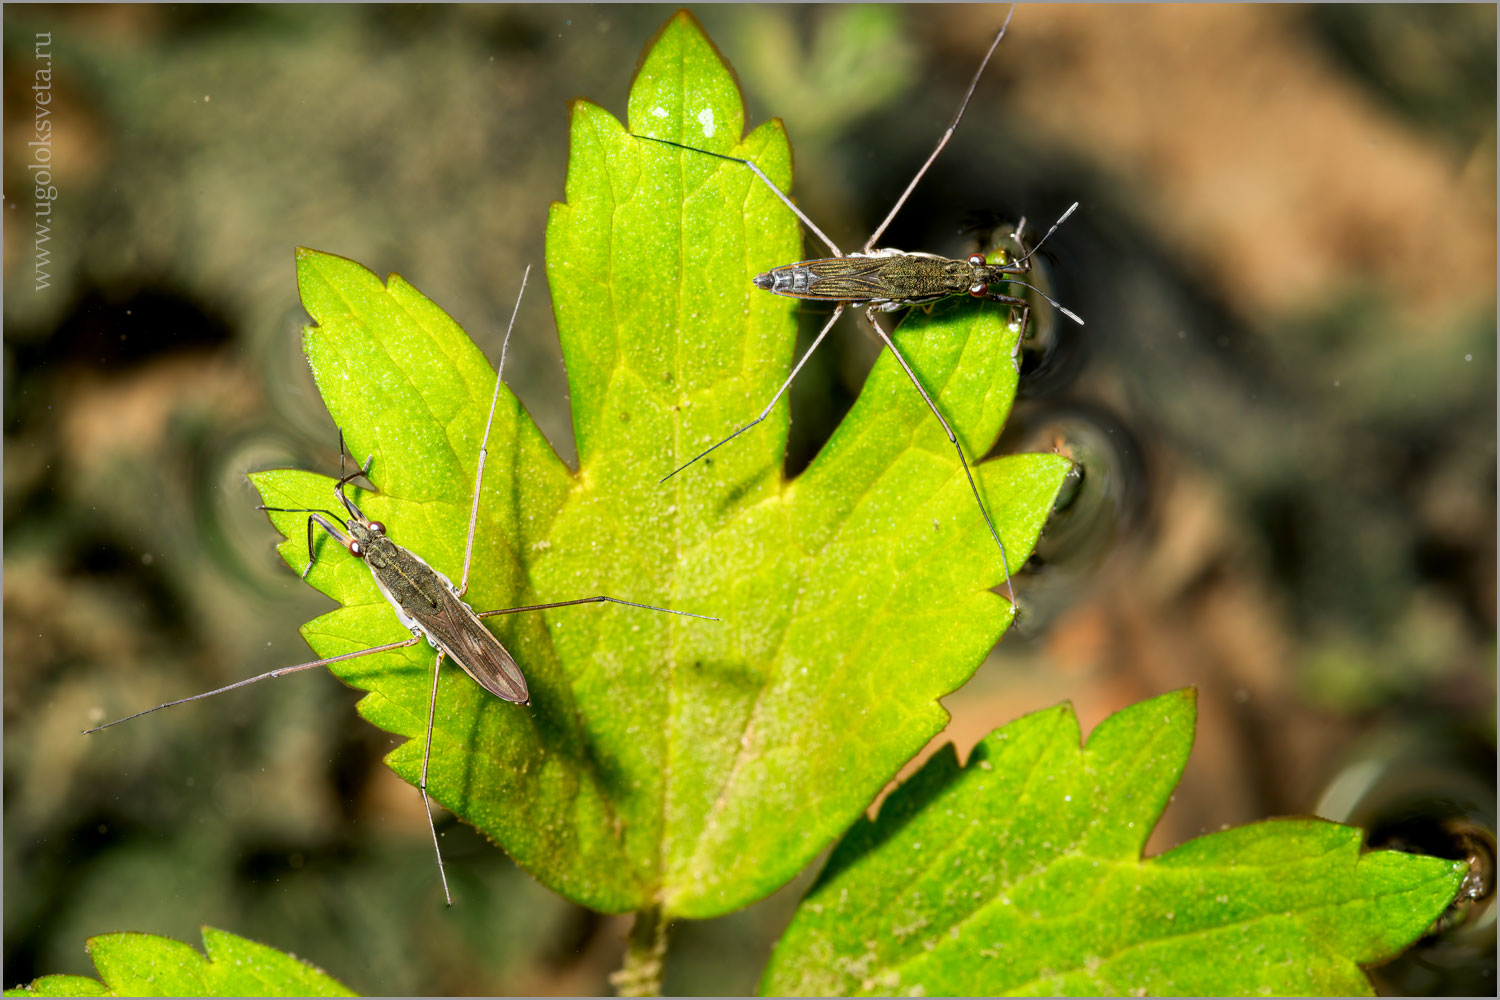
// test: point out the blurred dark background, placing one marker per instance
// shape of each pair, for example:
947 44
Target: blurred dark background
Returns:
1284 404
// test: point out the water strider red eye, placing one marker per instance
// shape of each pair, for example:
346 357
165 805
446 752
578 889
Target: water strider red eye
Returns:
979 290
377 528
356 550
977 259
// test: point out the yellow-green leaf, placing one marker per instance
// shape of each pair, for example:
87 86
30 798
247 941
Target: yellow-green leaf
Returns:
147 965
1021 874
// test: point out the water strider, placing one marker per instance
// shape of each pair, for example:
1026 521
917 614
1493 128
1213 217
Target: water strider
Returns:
884 280
426 602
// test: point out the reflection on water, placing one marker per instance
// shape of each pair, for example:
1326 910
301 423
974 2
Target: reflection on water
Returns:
1419 786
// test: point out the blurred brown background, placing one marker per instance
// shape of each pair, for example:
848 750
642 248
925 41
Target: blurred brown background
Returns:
1284 401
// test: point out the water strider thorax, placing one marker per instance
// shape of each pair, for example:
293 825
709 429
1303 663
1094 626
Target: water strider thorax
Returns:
404 577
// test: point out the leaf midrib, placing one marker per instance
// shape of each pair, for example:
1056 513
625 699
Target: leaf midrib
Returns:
658 889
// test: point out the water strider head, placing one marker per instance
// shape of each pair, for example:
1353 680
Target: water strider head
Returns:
368 535
364 538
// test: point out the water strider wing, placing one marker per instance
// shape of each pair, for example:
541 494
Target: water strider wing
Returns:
885 277
836 279
452 626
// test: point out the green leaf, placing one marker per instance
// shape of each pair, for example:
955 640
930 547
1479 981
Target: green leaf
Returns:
145 965
661 756
1021 873
61 986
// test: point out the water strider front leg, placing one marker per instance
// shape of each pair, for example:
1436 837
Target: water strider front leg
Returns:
1014 301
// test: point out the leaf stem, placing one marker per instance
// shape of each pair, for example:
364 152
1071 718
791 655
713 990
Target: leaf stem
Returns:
640 974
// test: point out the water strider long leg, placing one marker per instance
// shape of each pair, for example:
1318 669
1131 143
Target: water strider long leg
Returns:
437 668
268 675
484 445
837 312
591 600
973 486
879 230
1021 267
963 105
785 200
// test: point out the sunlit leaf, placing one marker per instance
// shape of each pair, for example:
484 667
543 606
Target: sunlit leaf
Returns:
145 965
1021 873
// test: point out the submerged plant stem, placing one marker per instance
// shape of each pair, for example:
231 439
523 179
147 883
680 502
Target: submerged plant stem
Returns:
640 974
